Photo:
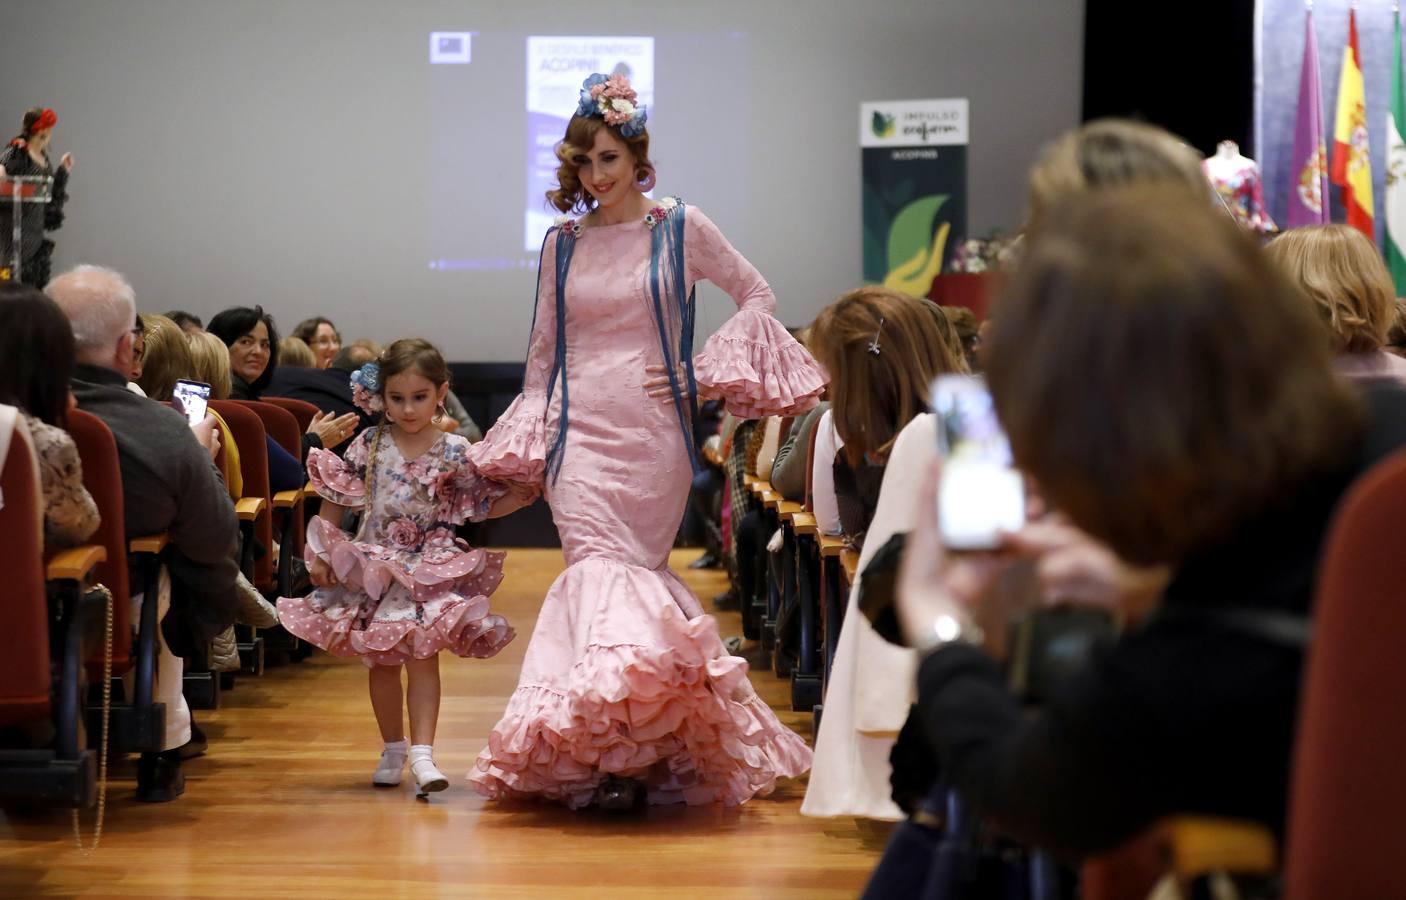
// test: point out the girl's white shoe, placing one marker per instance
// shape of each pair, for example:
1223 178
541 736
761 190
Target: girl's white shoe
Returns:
391 765
428 778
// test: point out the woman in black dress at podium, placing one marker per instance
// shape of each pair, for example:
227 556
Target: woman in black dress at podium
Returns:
28 155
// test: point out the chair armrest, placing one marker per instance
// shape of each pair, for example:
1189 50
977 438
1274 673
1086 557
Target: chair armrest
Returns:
309 491
287 499
152 543
1198 846
805 523
75 564
249 508
788 509
748 480
850 560
831 545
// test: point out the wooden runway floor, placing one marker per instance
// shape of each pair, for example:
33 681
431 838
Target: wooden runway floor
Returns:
282 805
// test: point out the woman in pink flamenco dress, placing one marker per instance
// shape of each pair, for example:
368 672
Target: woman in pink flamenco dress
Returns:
627 694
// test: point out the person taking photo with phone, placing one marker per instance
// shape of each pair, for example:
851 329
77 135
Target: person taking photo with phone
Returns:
1099 374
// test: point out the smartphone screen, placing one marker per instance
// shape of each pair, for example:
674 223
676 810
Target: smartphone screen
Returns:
980 493
191 398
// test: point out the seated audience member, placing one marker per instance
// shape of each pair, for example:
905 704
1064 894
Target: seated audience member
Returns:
167 357
294 353
1130 308
36 362
882 349
134 374
169 484
252 339
169 360
188 322
871 688
209 359
966 332
322 339
328 389
788 469
1396 335
1340 270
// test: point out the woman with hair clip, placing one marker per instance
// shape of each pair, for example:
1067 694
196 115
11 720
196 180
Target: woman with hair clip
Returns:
627 695
28 156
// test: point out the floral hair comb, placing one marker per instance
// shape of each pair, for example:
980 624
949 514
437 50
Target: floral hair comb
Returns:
612 99
366 388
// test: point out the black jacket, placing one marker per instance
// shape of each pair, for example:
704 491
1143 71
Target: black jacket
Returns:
170 484
1180 716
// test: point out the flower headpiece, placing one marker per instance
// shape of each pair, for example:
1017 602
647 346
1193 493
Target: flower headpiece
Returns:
613 99
366 388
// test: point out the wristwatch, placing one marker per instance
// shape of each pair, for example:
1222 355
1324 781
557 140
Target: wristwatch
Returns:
948 628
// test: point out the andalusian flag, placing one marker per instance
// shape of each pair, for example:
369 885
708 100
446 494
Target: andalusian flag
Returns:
1396 171
1352 165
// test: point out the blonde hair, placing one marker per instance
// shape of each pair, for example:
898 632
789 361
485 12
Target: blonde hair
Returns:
1340 269
295 352
1396 335
210 357
166 359
873 395
1106 153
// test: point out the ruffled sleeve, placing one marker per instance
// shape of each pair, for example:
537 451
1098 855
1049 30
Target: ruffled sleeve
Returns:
342 480
464 494
515 448
752 362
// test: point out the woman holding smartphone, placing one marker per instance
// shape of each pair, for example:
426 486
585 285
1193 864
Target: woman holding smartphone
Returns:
1194 710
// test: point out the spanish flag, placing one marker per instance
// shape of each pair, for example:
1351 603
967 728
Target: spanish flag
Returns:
1352 165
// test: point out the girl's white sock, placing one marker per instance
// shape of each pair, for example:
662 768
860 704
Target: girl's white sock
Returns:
427 777
392 762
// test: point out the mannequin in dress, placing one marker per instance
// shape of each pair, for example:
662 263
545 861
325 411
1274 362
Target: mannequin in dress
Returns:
1237 179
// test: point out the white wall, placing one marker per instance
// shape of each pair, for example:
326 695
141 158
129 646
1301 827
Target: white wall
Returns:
277 152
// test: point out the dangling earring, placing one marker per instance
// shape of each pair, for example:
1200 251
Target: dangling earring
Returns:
645 182
439 413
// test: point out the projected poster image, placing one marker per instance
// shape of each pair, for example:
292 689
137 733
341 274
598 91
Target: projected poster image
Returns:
556 66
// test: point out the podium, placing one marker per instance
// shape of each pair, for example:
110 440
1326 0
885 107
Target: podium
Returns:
16 192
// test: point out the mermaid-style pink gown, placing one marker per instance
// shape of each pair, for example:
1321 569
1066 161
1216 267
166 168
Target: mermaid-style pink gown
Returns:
625 674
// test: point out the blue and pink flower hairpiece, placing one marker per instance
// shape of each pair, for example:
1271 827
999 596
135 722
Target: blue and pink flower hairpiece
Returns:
612 98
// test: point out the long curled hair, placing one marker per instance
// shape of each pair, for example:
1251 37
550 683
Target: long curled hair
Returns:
570 195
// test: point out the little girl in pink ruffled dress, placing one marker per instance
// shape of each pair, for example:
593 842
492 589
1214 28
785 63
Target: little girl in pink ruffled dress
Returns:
402 588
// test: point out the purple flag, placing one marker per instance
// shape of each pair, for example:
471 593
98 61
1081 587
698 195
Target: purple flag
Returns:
1308 167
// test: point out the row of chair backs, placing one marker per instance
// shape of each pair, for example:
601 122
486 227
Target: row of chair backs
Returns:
248 430
302 412
1349 787
24 626
102 476
281 424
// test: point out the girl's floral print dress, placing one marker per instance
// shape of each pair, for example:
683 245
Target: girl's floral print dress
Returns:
406 587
